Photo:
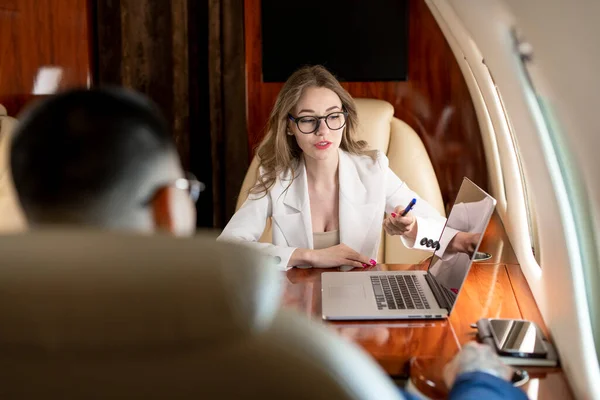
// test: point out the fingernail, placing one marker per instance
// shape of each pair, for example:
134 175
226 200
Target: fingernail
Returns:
373 262
365 265
394 215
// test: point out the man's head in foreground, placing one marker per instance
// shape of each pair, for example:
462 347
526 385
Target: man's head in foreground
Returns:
101 158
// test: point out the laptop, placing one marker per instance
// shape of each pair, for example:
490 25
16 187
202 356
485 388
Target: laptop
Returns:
372 295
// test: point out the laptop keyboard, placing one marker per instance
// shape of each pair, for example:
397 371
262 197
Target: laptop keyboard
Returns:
399 292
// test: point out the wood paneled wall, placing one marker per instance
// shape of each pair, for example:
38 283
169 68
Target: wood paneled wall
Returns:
434 100
161 48
227 105
188 56
143 45
38 34
157 47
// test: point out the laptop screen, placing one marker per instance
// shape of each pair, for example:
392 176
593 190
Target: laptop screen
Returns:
460 239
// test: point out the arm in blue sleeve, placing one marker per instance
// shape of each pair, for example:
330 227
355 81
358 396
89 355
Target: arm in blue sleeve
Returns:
480 385
409 396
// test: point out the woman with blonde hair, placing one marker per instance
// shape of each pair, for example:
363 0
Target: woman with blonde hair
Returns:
326 193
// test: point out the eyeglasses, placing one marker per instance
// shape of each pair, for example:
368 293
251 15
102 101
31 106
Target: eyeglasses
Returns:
310 124
191 184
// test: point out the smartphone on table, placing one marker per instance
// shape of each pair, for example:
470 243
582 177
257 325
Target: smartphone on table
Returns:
517 338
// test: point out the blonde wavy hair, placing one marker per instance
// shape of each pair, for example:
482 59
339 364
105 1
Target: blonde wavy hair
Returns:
279 152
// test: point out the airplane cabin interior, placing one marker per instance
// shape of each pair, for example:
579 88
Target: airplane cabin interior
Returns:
482 111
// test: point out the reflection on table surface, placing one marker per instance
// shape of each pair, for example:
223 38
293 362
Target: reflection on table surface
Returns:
495 290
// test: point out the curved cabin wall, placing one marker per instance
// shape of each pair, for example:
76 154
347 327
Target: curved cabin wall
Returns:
434 99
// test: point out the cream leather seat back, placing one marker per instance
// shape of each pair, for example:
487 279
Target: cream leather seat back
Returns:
93 315
408 159
11 216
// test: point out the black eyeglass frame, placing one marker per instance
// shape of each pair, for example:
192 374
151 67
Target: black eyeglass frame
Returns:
296 120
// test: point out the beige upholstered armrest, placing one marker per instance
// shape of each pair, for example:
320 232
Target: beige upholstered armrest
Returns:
11 216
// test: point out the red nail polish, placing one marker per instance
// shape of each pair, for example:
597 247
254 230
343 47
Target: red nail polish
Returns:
373 262
394 215
365 265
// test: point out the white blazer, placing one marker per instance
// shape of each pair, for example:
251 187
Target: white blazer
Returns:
368 189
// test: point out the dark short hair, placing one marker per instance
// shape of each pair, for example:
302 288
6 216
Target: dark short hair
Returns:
76 147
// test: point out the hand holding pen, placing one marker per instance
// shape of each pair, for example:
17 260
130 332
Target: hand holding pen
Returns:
402 224
407 209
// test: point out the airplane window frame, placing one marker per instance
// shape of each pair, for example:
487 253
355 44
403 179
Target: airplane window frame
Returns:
466 26
501 157
530 210
569 187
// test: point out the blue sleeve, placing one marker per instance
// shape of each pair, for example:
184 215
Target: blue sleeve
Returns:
409 396
479 385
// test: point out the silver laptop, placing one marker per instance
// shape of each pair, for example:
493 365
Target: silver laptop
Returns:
415 294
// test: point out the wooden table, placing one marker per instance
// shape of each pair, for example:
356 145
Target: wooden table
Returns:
492 289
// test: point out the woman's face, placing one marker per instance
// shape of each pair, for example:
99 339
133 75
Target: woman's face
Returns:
318 102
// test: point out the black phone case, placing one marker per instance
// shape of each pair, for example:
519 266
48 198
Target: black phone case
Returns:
484 335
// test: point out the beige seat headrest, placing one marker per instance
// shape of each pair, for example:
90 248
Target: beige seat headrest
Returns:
375 117
11 215
90 290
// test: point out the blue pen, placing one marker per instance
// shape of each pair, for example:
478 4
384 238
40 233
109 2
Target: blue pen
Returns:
409 207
